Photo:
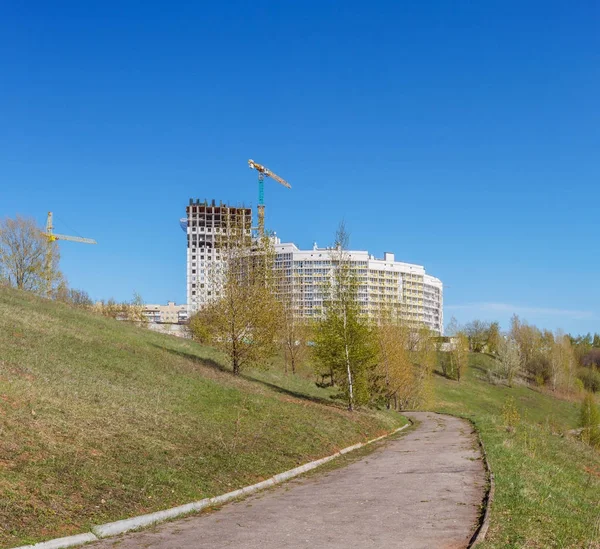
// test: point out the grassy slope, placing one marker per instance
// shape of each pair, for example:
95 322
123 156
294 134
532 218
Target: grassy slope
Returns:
101 420
544 496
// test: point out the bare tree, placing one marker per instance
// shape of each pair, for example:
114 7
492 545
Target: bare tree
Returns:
294 334
28 261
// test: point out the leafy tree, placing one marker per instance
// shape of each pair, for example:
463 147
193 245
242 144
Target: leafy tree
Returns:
343 339
423 353
28 261
459 355
393 376
530 341
493 338
562 363
243 320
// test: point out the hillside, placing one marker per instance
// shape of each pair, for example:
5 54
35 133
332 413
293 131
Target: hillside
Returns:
547 484
100 420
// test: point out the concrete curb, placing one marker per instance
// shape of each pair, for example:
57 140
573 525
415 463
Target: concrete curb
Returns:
488 498
59 543
126 525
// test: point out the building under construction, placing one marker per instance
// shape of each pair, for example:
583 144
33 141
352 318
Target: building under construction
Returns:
210 228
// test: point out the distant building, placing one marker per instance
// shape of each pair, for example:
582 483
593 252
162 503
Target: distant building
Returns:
166 314
383 283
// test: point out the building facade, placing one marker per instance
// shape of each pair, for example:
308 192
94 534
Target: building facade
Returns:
170 313
384 284
210 228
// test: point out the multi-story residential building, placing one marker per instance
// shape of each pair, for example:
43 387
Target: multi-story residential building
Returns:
166 314
383 284
210 228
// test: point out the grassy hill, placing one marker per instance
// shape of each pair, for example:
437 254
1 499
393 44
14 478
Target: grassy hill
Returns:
100 420
547 484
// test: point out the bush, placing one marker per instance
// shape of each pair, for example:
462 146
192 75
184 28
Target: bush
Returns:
590 421
539 369
590 378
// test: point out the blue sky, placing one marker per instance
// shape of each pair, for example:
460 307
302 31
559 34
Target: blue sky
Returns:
463 136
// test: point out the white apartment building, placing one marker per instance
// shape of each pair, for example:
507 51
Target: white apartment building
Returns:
208 227
417 296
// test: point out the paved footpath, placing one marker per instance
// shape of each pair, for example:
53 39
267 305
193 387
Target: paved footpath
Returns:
421 490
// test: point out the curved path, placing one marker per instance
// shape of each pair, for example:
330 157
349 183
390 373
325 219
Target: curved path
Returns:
421 490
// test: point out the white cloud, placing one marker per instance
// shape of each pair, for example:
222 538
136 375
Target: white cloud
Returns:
519 310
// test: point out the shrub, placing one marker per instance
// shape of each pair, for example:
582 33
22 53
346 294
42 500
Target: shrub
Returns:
590 421
510 414
590 378
539 369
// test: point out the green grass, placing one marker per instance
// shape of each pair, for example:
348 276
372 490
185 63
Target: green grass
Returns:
100 420
545 495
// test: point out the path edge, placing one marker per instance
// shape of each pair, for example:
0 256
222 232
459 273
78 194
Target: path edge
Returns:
111 529
488 498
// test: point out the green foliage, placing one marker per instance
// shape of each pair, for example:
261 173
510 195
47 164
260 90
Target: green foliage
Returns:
590 377
544 496
344 345
510 414
244 320
590 421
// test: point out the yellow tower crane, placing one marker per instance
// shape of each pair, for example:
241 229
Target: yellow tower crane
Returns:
53 237
262 172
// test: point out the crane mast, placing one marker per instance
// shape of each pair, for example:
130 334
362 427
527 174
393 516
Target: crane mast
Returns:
262 172
53 237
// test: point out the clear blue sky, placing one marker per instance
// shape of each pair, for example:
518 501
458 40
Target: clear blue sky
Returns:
464 136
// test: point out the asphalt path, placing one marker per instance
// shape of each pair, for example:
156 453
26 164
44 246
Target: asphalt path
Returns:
420 490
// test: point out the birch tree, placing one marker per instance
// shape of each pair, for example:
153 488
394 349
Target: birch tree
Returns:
343 342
